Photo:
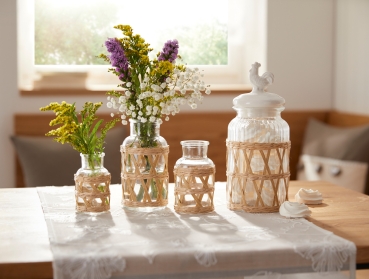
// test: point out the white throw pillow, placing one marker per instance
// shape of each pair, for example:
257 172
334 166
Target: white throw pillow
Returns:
347 174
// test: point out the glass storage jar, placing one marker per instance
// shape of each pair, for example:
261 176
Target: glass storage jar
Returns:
258 147
144 167
194 176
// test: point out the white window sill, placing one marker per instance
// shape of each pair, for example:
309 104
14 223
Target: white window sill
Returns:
217 89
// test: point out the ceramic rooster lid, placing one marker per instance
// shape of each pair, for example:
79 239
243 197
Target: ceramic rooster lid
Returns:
258 97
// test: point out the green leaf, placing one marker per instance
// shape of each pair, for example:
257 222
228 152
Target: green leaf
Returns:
93 132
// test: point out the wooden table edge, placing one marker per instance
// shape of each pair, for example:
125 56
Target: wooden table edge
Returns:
30 270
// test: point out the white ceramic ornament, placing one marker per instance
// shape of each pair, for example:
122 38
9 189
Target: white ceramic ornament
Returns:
258 97
294 210
309 196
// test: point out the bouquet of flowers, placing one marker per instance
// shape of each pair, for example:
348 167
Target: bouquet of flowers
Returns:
151 89
79 132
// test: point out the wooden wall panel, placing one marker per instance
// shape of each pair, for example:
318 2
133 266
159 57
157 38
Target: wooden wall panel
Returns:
37 124
343 119
202 126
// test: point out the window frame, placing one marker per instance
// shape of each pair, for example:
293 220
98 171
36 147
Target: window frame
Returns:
36 80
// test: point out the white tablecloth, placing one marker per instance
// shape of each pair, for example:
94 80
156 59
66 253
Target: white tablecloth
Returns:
164 244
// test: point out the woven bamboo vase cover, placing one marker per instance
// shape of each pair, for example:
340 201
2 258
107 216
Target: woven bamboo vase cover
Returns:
260 178
144 183
194 189
92 193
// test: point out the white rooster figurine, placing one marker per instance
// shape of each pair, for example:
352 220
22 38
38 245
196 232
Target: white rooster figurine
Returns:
260 82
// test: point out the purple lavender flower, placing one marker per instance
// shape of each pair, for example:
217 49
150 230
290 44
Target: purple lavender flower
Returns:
117 57
169 52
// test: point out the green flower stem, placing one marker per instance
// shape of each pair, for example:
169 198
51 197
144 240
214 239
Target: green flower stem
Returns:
146 134
154 190
139 196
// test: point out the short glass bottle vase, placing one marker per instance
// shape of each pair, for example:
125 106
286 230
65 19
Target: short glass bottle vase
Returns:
194 176
144 170
92 184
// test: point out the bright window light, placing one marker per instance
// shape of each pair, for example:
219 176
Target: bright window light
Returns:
59 40
73 32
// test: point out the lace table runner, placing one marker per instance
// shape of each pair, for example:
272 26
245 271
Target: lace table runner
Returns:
162 244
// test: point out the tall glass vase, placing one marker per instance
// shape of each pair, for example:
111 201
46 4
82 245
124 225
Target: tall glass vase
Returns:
144 168
92 184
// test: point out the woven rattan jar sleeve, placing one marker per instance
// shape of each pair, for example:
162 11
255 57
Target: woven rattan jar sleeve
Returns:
92 193
144 182
194 177
260 176
194 189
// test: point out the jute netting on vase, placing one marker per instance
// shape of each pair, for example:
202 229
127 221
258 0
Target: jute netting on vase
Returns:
257 175
92 193
145 176
194 189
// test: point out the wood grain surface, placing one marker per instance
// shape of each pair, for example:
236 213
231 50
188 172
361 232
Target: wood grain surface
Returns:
342 119
343 212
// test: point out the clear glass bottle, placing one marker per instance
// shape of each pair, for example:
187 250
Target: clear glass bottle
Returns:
258 121
144 135
137 166
194 177
92 184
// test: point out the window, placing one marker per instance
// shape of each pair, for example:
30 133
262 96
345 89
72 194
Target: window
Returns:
203 38
59 40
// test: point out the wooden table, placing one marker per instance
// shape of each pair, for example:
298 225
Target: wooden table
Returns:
25 251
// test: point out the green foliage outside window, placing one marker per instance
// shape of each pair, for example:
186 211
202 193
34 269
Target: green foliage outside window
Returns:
204 44
73 35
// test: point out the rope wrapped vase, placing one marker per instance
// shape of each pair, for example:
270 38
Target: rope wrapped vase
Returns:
144 176
257 176
92 193
194 189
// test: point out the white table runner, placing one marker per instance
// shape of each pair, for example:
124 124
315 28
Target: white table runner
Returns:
163 244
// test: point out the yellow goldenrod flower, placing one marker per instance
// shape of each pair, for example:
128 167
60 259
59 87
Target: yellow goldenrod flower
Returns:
80 131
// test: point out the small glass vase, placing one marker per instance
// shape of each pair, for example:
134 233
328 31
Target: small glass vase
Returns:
194 179
144 168
92 184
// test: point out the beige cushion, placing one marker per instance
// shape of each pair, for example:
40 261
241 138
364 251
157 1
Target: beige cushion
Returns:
347 174
324 140
343 144
45 162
